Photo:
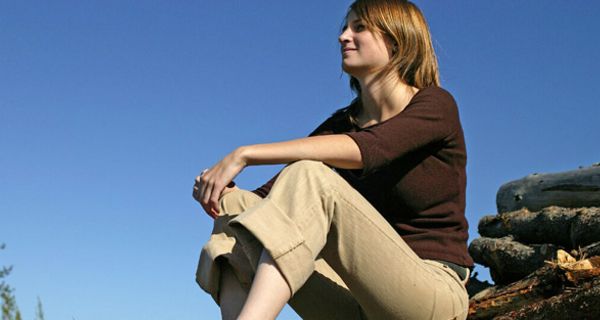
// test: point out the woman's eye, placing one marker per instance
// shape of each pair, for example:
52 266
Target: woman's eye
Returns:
359 27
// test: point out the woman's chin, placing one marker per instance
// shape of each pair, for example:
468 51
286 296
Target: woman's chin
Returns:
356 71
351 69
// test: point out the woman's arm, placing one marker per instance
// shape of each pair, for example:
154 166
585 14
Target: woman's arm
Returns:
336 150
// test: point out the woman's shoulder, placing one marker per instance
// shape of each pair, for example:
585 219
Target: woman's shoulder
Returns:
436 99
437 93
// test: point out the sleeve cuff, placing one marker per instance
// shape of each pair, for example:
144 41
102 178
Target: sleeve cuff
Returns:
367 168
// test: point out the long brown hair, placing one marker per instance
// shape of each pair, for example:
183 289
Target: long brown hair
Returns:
414 59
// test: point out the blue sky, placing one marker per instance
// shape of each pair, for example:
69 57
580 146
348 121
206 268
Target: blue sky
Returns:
109 109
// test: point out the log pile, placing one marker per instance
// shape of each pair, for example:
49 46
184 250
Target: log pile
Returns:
542 249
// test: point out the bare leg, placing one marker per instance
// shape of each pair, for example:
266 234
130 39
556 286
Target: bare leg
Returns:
232 296
269 293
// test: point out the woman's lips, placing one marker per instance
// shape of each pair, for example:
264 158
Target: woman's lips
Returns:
346 50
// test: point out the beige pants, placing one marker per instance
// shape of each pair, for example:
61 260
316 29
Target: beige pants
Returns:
339 256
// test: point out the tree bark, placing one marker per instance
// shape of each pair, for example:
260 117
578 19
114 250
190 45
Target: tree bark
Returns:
555 291
570 228
575 303
500 300
510 260
572 189
589 251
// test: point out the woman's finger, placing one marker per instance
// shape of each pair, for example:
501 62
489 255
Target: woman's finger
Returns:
201 183
200 191
214 197
206 208
204 190
203 187
209 212
208 190
195 192
199 177
214 214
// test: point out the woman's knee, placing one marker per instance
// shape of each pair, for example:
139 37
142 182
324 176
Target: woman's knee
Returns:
315 171
237 201
309 167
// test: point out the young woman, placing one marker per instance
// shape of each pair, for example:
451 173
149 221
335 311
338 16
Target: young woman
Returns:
367 220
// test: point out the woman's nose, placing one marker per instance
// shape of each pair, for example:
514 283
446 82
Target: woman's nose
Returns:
344 37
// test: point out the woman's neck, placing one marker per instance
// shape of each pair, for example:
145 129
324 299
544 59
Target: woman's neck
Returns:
382 98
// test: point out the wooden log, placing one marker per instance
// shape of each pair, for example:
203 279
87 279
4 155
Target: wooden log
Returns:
559 290
550 225
572 189
588 251
509 260
585 229
500 300
566 227
474 285
575 303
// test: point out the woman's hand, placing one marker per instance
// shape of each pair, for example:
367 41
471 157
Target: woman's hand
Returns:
217 181
336 150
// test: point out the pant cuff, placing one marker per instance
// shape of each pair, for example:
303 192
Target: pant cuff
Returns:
222 247
280 236
208 273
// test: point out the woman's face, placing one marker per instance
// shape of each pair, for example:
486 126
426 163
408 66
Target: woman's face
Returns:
363 52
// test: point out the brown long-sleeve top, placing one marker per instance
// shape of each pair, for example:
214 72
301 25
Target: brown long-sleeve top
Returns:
413 174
